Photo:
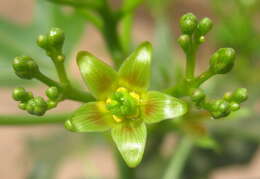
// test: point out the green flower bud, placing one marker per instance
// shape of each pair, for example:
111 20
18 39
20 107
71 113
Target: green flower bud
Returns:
240 95
234 106
25 67
22 106
56 37
51 104
37 106
227 96
19 94
201 39
184 41
42 41
198 95
222 61
204 26
221 106
188 23
52 93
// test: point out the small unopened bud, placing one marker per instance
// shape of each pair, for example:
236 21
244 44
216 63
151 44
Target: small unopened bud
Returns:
198 95
184 41
240 95
188 23
42 41
222 61
52 93
234 106
204 26
51 104
36 106
221 106
56 37
19 94
25 67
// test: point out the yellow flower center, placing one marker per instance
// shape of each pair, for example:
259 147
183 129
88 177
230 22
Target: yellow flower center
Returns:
123 104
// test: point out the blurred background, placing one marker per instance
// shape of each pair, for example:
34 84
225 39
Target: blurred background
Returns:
49 151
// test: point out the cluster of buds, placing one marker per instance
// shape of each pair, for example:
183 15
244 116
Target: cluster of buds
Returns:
52 43
193 30
221 107
36 105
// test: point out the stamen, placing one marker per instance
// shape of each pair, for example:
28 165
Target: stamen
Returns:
117 119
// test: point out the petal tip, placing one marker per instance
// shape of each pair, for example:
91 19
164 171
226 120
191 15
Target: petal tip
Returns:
82 55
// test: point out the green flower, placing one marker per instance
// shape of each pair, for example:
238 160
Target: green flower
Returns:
123 103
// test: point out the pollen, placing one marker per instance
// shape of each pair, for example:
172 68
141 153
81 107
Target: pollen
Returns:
121 89
135 96
108 101
117 119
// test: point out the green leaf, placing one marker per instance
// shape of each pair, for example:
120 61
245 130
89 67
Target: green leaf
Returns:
135 71
90 117
130 139
100 78
19 40
157 106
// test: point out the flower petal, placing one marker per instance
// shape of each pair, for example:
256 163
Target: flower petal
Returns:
130 139
158 106
90 117
135 71
100 78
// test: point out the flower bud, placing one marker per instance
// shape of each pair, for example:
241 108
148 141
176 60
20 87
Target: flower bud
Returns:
19 94
184 41
25 67
234 106
36 106
188 23
240 95
22 106
221 106
52 93
204 26
56 37
222 61
42 41
198 95
51 104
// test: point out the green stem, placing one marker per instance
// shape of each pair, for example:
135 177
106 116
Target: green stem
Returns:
77 95
177 162
46 80
68 91
203 77
61 72
111 35
191 60
31 120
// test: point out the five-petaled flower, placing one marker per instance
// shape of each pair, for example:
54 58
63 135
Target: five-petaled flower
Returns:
123 103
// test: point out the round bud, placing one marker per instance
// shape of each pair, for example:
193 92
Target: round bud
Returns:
19 94
25 67
42 41
222 61
51 104
22 106
52 93
227 96
184 41
201 39
36 106
204 26
240 95
198 95
221 106
234 106
188 23
56 37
